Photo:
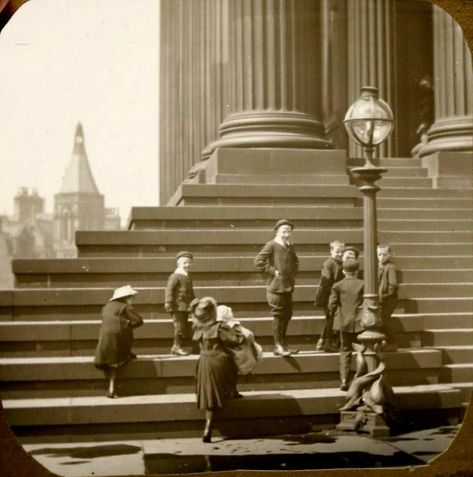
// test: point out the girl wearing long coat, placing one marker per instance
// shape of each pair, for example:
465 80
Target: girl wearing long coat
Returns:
216 369
116 335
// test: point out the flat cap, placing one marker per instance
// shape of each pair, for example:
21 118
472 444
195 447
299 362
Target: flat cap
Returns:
184 253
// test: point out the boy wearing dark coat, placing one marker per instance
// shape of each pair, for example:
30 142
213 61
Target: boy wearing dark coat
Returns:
346 297
278 261
178 296
330 274
388 285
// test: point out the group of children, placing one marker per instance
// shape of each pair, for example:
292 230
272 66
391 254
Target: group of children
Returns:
339 294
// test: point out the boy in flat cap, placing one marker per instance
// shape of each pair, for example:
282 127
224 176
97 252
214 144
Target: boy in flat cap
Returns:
278 261
178 296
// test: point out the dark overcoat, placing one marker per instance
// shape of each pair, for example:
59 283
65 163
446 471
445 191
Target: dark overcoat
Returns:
179 292
331 273
274 256
346 297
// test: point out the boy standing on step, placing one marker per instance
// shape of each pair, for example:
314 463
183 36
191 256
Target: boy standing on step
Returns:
330 274
178 296
344 303
388 285
278 261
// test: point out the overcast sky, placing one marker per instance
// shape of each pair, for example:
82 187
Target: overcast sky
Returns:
94 61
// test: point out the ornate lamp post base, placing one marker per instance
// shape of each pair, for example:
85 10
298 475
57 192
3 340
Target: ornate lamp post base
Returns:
363 421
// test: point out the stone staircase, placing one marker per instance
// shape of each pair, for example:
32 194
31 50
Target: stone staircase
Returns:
49 323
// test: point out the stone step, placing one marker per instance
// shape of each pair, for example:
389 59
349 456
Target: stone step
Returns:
416 225
424 213
458 372
216 242
404 182
439 305
164 374
387 162
457 354
403 177
403 202
78 338
448 336
425 193
179 411
239 216
97 272
84 303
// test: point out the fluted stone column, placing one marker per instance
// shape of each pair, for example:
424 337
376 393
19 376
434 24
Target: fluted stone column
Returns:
273 70
446 151
453 89
371 57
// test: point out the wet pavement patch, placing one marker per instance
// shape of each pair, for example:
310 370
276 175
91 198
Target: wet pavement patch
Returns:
183 464
87 452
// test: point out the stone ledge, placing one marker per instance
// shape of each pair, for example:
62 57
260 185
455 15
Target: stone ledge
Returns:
174 408
167 366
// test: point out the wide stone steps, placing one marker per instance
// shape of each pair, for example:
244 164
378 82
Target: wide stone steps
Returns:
98 272
245 217
424 213
79 337
176 413
78 303
231 242
457 354
284 191
164 374
152 218
142 218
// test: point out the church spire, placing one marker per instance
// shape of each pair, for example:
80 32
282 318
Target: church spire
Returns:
78 177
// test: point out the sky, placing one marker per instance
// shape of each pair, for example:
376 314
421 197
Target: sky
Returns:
93 61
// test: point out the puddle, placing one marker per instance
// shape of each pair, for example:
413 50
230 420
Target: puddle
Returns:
174 464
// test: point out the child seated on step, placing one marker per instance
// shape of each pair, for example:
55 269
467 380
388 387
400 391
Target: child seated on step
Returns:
330 274
177 299
245 355
388 285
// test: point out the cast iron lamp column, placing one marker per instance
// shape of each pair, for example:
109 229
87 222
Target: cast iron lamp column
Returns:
369 121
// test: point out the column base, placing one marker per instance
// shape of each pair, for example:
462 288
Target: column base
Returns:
450 170
275 129
363 422
450 134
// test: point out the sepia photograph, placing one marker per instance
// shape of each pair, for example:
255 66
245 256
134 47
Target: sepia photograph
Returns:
236 236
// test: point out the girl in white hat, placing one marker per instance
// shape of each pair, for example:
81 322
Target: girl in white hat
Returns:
116 335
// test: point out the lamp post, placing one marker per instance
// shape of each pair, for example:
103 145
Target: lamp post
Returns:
368 121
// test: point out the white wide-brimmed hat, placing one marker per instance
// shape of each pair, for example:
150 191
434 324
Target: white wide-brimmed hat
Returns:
123 292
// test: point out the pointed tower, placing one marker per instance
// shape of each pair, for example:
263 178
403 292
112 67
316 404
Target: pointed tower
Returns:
79 205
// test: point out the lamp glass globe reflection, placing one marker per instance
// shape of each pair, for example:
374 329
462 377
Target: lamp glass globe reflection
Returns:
369 120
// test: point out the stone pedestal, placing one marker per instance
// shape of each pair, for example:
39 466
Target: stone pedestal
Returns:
276 166
363 422
450 170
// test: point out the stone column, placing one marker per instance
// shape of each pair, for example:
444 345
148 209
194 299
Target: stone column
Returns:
371 60
273 70
453 89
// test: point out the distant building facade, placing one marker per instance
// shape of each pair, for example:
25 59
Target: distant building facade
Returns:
28 233
33 233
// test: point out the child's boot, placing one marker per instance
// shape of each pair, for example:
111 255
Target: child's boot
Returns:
177 349
278 348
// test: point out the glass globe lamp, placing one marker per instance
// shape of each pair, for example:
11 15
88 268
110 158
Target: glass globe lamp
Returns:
369 120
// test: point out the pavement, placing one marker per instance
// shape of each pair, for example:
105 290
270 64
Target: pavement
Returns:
315 450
